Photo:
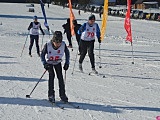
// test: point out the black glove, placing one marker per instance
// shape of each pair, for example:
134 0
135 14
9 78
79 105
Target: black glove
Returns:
43 33
47 66
66 66
99 40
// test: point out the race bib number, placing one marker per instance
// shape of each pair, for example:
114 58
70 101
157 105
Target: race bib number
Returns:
90 34
54 58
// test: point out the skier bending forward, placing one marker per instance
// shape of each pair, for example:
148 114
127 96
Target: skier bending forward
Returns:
55 50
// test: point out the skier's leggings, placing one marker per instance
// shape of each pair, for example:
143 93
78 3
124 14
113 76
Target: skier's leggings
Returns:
84 47
69 39
58 70
32 38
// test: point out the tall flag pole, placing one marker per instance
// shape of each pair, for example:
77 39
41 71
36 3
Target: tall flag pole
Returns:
127 25
72 17
44 15
104 19
103 27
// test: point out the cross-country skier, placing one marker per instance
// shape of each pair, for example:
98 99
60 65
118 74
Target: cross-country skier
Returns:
55 50
34 34
67 30
88 32
79 12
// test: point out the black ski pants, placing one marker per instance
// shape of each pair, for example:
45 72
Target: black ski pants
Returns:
84 47
58 70
32 38
69 39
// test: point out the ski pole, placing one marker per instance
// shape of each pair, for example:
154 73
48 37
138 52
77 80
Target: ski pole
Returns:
76 55
42 43
65 77
28 96
24 44
100 55
75 61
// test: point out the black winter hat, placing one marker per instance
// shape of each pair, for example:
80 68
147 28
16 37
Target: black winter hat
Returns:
74 22
57 37
92 17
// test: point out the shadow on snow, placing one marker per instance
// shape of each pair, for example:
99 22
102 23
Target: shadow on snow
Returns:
45 103
20 78
83 106
8 62
6 57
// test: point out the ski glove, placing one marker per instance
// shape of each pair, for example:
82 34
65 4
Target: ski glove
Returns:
47 66
66 66
43 33
99 40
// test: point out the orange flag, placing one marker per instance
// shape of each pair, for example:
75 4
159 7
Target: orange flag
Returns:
127 23
71 18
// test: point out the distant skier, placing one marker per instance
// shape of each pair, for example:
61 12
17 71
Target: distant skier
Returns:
100 15
34 34
63 5
67 30
79 12
76 28
88 32
55 50
48 4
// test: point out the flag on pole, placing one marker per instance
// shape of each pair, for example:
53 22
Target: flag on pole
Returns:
71 18
127 22
104 19
44 15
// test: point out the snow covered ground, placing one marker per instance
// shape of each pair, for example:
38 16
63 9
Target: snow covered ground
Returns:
128 91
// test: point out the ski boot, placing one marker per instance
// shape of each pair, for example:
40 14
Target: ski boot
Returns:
51 99
64 98
80 67
30 54
94 71
38 54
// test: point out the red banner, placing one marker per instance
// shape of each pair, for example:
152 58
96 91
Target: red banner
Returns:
127 23
71 18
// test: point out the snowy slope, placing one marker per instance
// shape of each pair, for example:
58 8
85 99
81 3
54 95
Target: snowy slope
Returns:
128 91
